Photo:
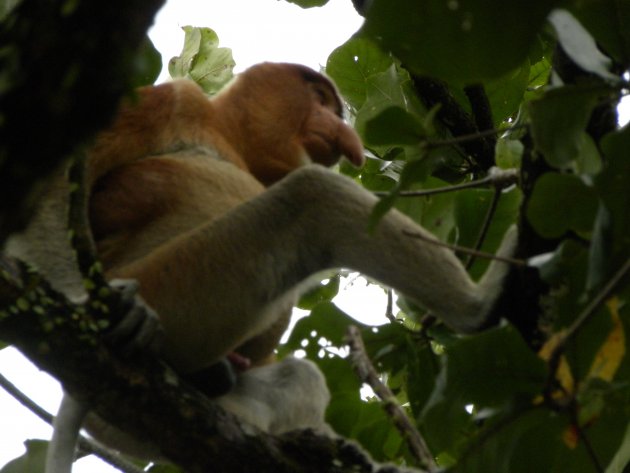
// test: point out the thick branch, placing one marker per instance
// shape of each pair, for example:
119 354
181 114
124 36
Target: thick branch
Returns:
146 399
434 92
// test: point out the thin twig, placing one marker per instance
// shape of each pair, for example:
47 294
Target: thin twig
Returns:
464 250
366 372
432 144
500 178
389 310
85 444
590 451
485 226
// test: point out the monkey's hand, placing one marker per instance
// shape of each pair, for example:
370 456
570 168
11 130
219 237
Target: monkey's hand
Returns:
140 329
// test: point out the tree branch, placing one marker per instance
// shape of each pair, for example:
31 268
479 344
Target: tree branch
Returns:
459 122
367 374
145 398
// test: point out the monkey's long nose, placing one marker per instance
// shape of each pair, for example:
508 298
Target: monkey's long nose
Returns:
350 145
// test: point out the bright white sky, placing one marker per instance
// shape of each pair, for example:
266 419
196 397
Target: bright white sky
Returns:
256 30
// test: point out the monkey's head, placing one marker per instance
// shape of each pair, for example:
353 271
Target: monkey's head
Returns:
292 116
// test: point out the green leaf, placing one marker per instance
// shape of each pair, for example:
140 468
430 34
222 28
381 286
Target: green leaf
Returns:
202 60
559 203
408 176
510 440
588 160
612 186
486 370
434 213
32 461
323 292
611 240
579 45
385 90
464 41
350 66
471 207
394 125
423 368
309 3
326 320
147 64
559 119
505 93
508 153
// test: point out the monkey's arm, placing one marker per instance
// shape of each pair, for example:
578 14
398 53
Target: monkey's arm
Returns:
310 221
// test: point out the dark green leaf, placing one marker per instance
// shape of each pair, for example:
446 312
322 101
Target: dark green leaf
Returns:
147 66
613 187
394 125
559 119
559 203
510 441
485 370
471 207
464 41
505 94
423 368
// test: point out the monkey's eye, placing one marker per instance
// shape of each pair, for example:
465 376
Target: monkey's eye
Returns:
320 95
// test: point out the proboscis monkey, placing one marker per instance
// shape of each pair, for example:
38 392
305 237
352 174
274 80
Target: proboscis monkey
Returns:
222 211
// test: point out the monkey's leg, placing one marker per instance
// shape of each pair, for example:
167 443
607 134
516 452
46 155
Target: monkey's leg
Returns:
232 272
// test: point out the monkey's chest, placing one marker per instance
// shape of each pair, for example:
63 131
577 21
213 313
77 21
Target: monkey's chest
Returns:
147 204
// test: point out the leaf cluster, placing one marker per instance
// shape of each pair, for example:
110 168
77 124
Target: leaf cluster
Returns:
423 82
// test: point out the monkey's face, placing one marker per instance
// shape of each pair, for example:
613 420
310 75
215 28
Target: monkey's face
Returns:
293 116
325 136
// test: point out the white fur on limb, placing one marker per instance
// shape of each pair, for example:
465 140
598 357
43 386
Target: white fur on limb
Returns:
67 424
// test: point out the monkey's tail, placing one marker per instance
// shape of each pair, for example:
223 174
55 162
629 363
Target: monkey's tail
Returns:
67 424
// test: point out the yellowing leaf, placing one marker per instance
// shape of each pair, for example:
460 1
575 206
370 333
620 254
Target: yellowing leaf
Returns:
571 437
612 351
563 374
